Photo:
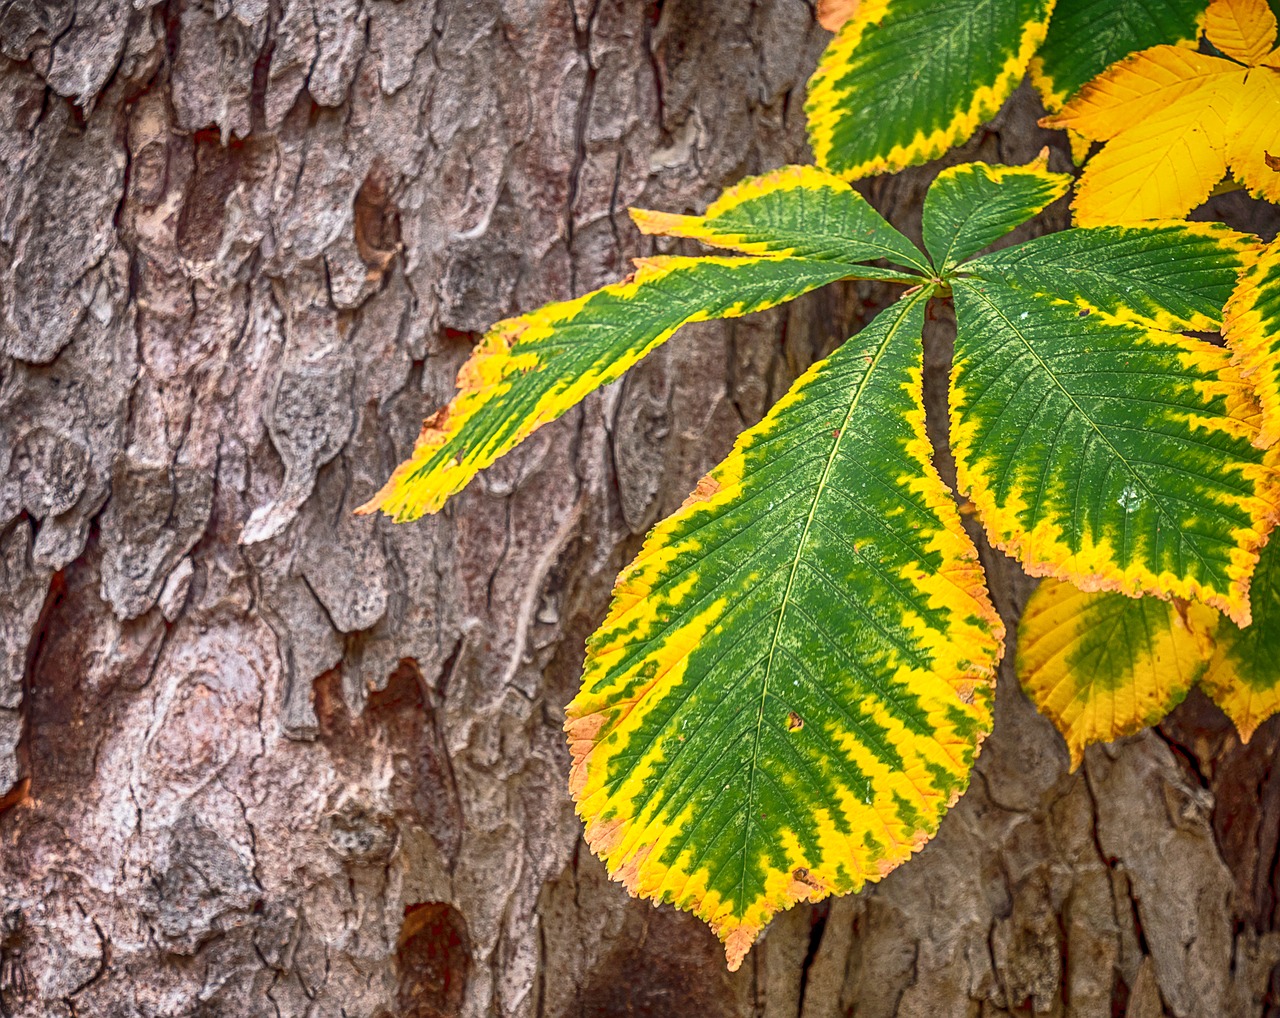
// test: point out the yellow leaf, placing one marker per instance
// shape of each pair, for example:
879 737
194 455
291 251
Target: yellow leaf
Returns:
1175 121
1101 666
1138 87
1246 704
1080 146
1163 166
1253 131
1242 29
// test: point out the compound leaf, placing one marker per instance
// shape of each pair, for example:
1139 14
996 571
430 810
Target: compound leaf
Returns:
1244 675
1252 331
796 671
797 212
904 80
1173 276
1087 36
1102 665
1110 454
531 369
972 205
1174 121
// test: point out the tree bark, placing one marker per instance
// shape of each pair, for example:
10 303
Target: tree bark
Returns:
261 757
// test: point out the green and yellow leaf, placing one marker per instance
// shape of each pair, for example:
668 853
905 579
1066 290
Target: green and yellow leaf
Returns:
529 370
1175 121
796 671
1174 276
795 212
1244 675
1252 331
1088 36
905 80
1109 454
973 205
1101 665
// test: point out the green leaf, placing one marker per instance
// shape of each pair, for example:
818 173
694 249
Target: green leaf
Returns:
796 211
1170 276
1109 454
1087 36
905 80
973 205
1101 666
531 369
795 673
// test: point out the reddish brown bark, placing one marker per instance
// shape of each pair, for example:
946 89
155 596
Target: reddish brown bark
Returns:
259 756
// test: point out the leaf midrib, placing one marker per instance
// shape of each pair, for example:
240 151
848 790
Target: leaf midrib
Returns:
797 236
923 295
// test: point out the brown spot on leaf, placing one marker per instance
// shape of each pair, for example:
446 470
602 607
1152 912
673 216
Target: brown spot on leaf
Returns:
706 488
1272 161
602 838
438 420
794 722
801 874
832 14
1180 607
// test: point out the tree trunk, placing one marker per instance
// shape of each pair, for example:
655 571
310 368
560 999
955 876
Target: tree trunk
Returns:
259 756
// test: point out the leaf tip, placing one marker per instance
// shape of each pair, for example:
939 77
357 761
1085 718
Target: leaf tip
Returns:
738 943
1075 753
653 223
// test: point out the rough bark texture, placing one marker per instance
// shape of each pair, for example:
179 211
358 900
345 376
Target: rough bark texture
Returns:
261 757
